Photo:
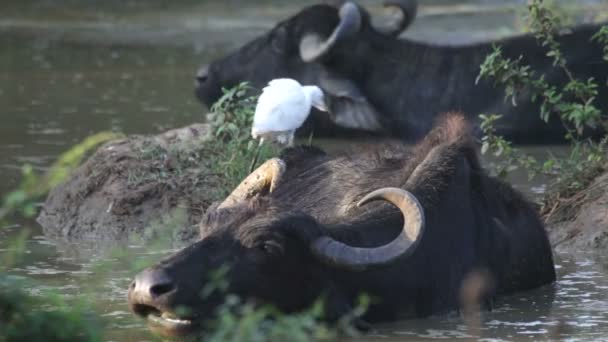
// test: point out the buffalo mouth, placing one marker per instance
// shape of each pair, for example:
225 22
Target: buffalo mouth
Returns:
166 323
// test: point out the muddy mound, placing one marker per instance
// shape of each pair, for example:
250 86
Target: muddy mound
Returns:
578 221
134 183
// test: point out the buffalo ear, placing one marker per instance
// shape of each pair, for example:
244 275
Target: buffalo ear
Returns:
348 106
278 39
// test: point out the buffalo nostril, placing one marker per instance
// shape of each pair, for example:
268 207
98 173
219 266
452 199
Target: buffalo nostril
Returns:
201 79
160 289
202 75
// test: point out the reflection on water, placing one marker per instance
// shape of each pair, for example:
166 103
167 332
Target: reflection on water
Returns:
53 96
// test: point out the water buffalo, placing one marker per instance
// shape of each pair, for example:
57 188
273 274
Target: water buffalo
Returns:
299 228
392 86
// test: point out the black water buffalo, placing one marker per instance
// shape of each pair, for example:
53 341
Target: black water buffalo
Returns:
300 228
380 83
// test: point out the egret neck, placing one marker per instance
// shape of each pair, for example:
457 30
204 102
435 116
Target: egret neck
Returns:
316 97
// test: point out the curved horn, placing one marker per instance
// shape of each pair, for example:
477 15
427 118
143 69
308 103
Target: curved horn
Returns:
357 258
407 9
312 46
267 176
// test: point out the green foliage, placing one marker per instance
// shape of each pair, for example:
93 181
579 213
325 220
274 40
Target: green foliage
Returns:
584 156
233 148
509 157
239 321
602 37
232 114
545 24
33 186
573 105
48 317
16 249
27 318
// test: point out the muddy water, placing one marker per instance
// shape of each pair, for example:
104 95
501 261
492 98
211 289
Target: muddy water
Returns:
573 309
61 80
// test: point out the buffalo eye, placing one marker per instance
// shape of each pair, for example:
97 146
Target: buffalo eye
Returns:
271 247
278 39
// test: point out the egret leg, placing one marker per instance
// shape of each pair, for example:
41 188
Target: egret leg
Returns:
312 133
256 156
290 139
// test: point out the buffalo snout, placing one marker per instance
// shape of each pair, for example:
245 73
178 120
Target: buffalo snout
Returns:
150 292
151 284
202 75
151 296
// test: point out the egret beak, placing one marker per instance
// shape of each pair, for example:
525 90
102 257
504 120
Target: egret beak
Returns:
320 104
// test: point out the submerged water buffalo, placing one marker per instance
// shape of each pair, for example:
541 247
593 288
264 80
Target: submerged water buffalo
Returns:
383 84
300 228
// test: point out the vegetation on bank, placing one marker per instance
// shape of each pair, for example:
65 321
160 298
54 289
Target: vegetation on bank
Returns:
232 146
574 106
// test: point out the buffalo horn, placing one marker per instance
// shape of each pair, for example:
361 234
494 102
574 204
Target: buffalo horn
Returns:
341 255
408 9
265 177
312 46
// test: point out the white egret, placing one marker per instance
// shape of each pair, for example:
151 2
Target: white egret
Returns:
282 108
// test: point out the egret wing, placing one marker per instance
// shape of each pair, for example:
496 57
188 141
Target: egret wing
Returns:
282 106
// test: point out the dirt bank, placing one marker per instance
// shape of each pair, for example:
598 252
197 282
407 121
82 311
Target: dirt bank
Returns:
578 222
133 184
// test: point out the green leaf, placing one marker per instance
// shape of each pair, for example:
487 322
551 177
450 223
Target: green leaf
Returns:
484 147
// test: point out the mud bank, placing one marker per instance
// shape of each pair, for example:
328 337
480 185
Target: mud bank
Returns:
132 184
578 222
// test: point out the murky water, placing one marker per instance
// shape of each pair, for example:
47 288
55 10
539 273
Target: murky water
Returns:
573 309
61 83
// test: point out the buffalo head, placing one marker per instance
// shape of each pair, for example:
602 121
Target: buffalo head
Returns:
310 47
272 254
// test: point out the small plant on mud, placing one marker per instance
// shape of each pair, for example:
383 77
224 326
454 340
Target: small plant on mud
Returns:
231 118
232 115
574 105
167 164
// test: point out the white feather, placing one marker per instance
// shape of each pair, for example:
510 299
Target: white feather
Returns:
283 107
